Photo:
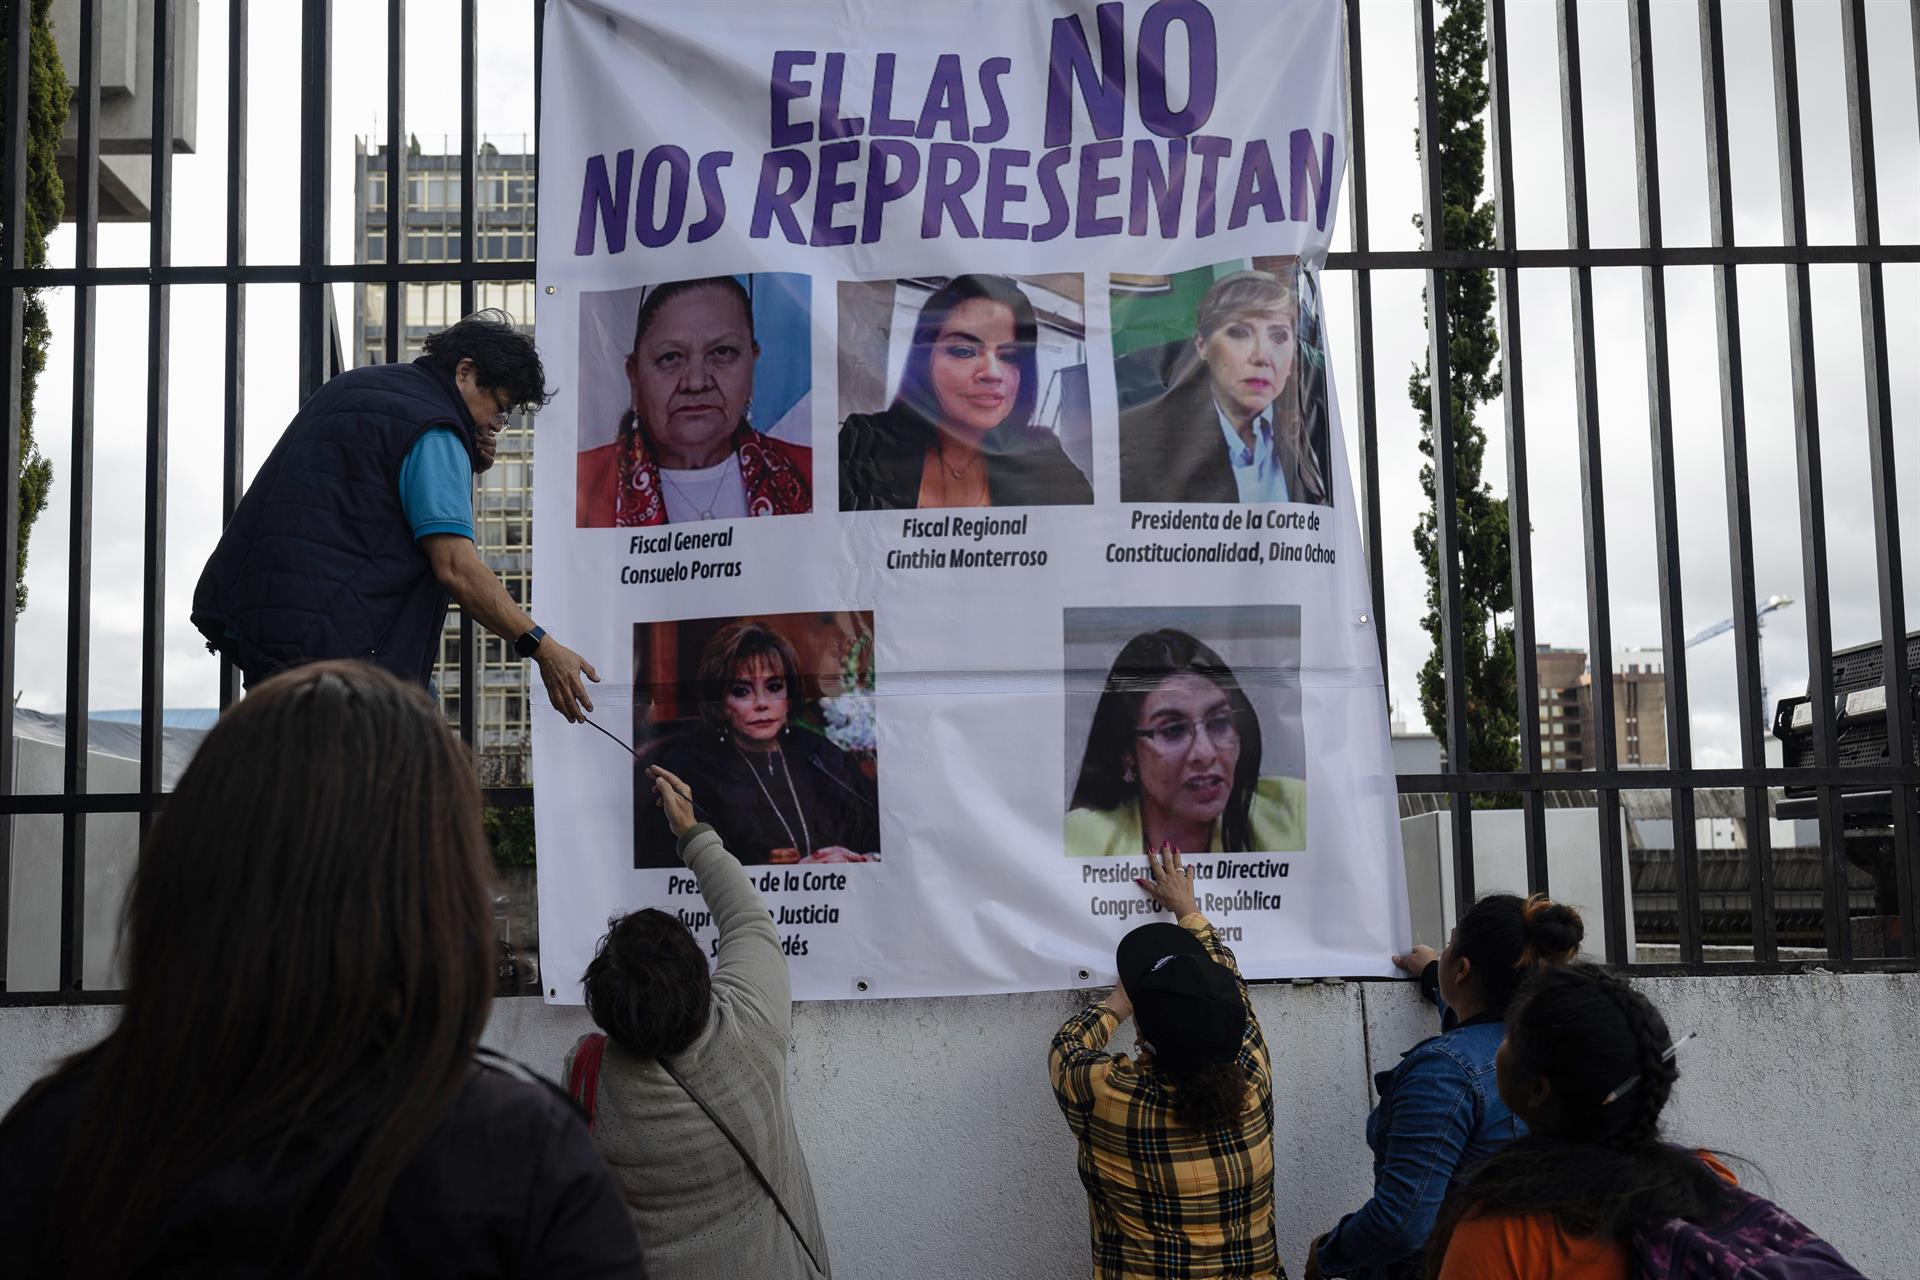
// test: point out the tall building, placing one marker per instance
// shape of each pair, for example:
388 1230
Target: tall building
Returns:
425 228
1567 736
1562 676
1640 707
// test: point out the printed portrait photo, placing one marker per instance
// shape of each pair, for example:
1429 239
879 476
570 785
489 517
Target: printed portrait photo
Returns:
1221 378
769 719
695 402
964 391
1184 725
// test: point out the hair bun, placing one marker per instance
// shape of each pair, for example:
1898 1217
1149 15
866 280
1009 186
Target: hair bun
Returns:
1554 929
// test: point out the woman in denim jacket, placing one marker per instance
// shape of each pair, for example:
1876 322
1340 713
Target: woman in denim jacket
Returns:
1440 1111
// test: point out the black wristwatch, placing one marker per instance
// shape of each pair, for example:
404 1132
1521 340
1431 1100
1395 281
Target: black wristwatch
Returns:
527 643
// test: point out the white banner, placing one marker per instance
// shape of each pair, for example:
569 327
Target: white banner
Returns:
947 482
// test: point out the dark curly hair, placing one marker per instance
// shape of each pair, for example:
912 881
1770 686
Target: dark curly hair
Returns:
1508 938
1143 664
648 986
504 358
1596 1161
1209 1096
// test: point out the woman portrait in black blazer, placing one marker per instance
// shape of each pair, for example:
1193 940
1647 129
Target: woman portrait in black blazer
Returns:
775 791
960 430
1231 425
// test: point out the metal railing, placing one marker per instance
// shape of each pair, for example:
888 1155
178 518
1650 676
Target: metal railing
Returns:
319 357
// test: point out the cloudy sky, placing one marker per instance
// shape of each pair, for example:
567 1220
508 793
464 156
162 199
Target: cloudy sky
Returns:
506 115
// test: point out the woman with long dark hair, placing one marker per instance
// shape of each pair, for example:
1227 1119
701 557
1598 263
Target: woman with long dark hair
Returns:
1439 1112
1593 1192
1176 1143
1173 756
292 1087
960 430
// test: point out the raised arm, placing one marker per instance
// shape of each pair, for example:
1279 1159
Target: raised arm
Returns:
750 962
1172 887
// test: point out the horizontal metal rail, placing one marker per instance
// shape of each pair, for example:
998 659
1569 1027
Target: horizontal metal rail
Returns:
495 269
1826 785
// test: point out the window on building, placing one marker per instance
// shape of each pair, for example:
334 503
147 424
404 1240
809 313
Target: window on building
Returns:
377 248
377 193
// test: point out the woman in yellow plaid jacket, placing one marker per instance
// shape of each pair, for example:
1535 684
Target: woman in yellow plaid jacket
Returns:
1176 1143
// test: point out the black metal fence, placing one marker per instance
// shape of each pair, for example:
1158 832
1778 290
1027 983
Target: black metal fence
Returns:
319 357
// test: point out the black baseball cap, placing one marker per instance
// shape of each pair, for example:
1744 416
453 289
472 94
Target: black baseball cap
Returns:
1186 1003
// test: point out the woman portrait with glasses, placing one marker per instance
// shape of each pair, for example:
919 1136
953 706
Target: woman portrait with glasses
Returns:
1173 754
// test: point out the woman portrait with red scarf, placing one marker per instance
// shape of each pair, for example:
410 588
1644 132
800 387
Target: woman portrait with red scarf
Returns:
686 450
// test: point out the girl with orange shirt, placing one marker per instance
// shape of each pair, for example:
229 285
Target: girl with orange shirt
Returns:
1592 1192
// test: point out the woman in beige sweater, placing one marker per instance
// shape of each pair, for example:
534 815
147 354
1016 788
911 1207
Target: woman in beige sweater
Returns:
699 1208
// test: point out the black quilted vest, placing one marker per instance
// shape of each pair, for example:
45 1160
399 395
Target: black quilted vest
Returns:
318 560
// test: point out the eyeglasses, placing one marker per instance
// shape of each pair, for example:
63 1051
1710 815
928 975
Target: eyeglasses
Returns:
502 410
1174 737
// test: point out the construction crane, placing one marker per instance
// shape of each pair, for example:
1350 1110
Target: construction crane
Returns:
1725 625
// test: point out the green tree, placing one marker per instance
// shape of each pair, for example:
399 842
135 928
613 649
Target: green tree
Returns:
1486 582
510 830
510 833
48 95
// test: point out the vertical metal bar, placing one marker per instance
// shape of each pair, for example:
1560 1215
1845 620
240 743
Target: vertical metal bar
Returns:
1519 499
315 134
469 181
1445 479
1733 431
86 255
1363 320
13 217
1886 501
539 72
1614 906
1813 508
1666 533
153 613
396 172
234 384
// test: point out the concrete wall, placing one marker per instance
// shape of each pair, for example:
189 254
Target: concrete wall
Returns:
937 1151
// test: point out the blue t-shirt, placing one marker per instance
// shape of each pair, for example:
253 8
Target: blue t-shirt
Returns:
436 485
